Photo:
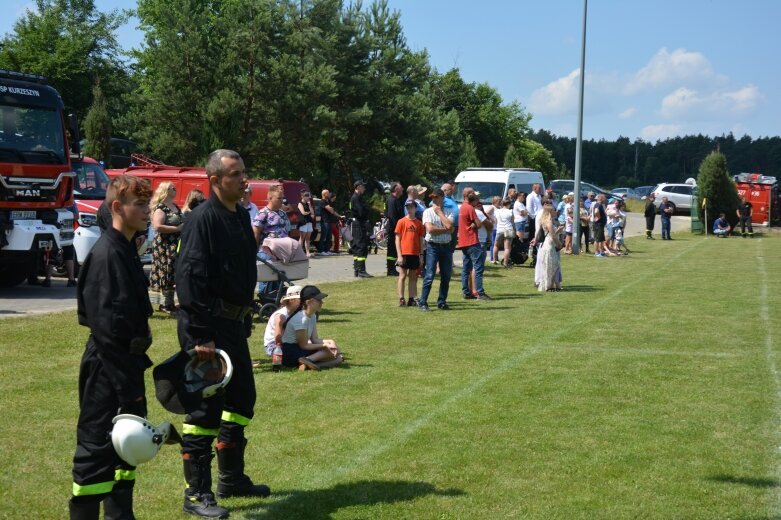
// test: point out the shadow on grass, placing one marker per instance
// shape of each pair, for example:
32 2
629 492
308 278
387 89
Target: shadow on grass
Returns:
758 482
581 288
321 504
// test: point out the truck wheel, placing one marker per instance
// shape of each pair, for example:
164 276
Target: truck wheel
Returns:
12 275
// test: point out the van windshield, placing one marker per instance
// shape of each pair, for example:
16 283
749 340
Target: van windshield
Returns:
487 190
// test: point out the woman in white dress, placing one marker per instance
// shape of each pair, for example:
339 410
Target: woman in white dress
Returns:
548 272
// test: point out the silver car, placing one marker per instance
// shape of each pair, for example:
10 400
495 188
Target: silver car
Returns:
680 195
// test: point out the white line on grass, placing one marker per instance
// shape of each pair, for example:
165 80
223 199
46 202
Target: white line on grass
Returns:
360 458
650 351
774 505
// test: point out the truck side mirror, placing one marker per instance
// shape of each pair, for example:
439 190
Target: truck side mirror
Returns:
73 129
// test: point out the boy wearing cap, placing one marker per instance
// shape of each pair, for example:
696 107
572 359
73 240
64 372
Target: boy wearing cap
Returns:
301 346
409 242
114 303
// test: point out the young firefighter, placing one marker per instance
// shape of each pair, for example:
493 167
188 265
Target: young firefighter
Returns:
409 239
114 303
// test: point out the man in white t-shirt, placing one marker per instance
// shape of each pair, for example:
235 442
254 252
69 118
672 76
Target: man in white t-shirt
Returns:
520 215
438 220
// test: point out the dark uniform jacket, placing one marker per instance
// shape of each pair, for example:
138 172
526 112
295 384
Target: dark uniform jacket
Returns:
359 208
114 303
650 209
394 211
216 262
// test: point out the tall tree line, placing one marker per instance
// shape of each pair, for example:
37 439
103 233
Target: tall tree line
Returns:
640 163
324 90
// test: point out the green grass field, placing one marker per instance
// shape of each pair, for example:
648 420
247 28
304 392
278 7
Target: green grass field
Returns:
649 388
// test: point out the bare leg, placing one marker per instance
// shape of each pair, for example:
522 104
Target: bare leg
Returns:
401 282
507 247
413 283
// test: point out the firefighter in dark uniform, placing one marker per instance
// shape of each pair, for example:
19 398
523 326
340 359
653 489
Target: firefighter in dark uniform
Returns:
215 281
650 216
744 213
359 247
114 303
394 210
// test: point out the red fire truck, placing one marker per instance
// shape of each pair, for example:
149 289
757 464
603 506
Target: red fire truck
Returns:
762 192
36 181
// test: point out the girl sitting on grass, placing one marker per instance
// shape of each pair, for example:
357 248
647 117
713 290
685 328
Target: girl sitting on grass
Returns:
301 345
276 322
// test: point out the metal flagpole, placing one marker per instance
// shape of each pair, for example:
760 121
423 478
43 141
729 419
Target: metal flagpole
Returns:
579 142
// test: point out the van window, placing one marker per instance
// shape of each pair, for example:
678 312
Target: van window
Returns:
487 190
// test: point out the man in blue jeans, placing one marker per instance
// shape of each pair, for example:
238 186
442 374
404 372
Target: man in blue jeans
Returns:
438 221
469 244
666 209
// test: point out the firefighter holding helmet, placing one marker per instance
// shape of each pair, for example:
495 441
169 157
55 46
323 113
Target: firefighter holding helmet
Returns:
215 281
114 303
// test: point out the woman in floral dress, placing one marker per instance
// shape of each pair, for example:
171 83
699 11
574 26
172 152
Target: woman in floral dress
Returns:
167 223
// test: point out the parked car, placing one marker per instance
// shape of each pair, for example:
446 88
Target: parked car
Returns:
562 187
625 193
643 191
680 195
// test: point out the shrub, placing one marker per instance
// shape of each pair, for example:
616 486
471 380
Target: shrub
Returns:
715 185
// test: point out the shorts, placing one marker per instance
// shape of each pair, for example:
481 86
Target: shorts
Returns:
507 234
305 228
520 227
291 352
568 233
410 261
599 232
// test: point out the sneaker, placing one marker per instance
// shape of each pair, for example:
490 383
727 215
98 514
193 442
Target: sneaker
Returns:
443 307
423 307
402 302
412 302
484 297
469 296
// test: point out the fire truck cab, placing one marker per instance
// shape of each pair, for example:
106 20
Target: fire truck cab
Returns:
36 181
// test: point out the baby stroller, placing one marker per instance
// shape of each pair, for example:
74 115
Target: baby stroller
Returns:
289 263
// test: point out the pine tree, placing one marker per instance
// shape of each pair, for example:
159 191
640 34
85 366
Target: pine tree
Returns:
468 158
97 128
717 189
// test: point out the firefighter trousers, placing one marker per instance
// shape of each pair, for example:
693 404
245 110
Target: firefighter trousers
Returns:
224 415
96 466
360 244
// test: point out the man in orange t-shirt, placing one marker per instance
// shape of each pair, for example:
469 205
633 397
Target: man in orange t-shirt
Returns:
409 245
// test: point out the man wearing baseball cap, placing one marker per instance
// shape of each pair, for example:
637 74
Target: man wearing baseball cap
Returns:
438 221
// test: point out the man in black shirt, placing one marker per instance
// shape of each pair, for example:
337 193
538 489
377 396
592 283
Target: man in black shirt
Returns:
394 210
114 303
360 244
215 280
744 216
650 217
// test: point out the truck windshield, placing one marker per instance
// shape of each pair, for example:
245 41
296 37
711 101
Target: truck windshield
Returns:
91 181
31 135
487 190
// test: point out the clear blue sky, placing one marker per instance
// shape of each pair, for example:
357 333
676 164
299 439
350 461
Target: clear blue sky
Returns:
654 69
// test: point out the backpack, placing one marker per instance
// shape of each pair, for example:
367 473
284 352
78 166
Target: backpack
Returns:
519 251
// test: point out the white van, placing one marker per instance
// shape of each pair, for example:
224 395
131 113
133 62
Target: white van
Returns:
490 182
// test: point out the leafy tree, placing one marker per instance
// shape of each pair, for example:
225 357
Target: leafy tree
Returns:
97 128
512 159
536 156
717 188
468 158
72 44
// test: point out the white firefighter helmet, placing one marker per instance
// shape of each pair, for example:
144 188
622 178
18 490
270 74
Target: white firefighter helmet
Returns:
207 377
137 441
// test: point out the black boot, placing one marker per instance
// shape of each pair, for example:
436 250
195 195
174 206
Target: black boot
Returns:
232 481
362 270
198 497
356 269
391 265
84 510
119 504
